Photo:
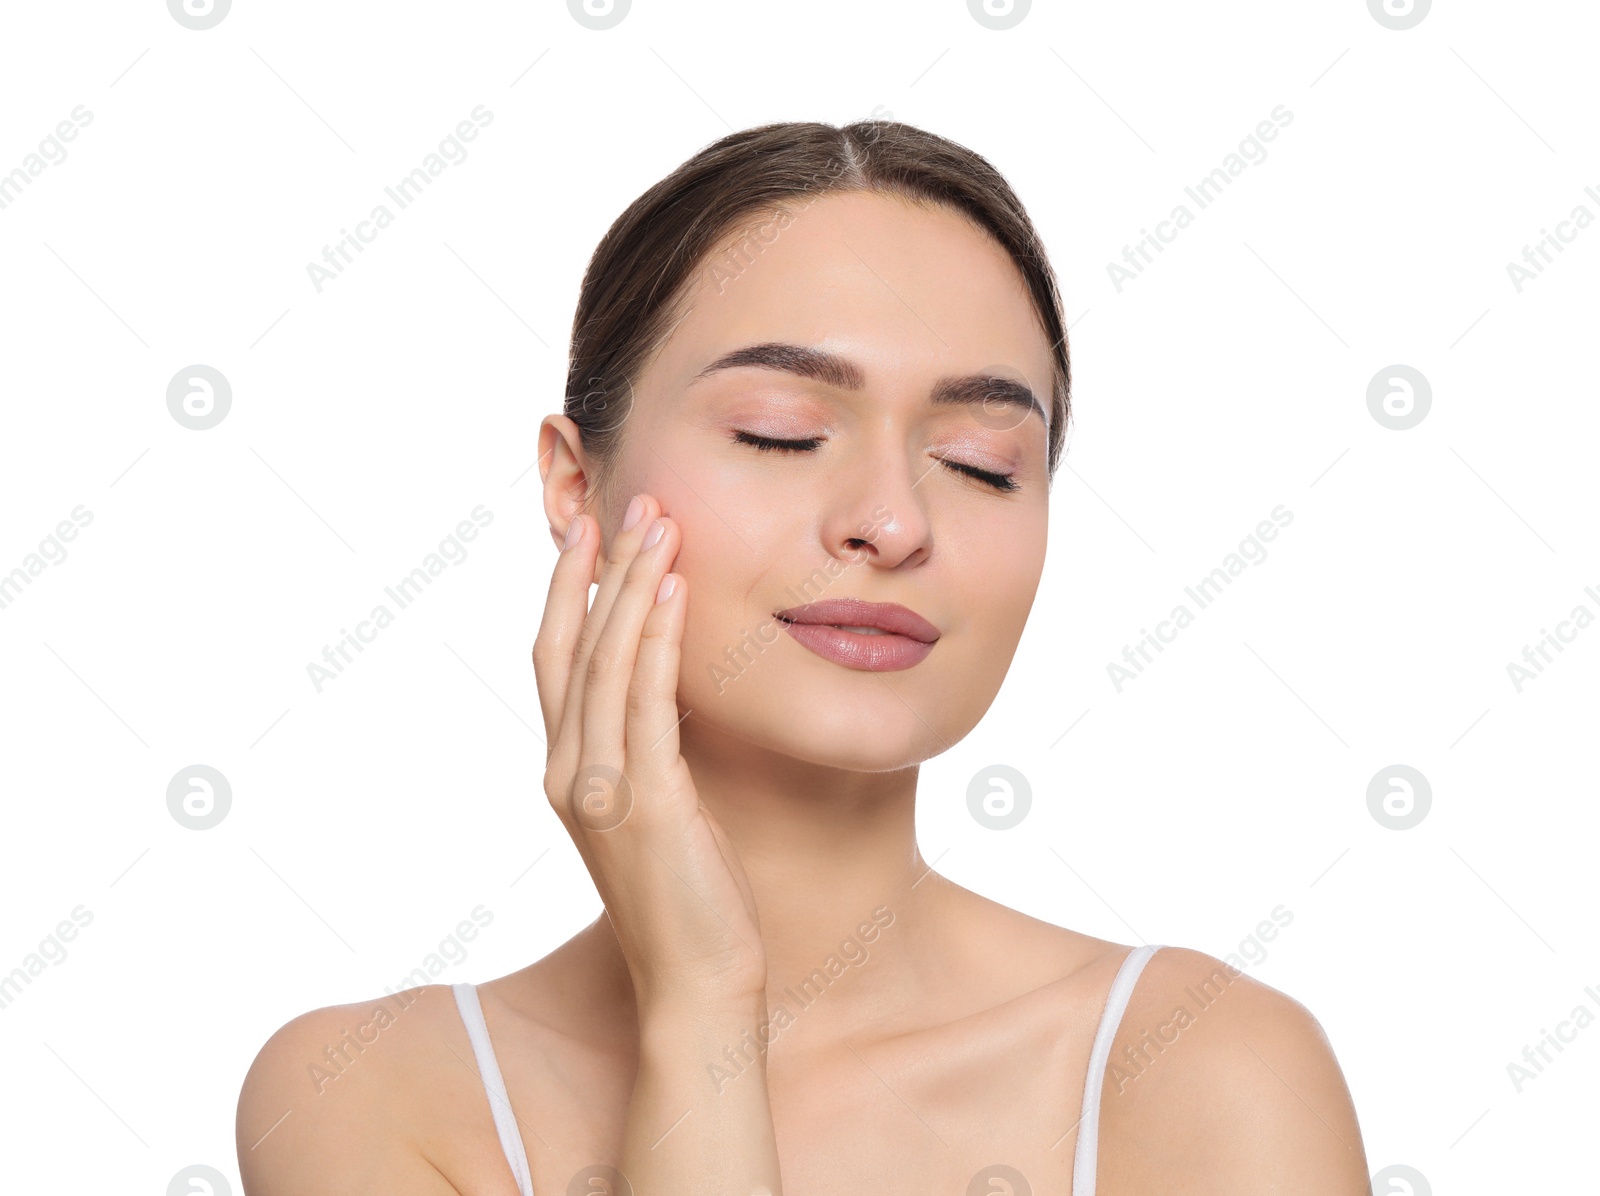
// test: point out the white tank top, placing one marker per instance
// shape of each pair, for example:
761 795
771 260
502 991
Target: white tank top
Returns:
1083 1162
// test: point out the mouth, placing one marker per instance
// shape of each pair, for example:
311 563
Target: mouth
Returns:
877 637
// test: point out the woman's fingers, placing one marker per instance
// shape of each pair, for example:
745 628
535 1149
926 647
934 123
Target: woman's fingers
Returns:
652 718
565 610
610 674
619 557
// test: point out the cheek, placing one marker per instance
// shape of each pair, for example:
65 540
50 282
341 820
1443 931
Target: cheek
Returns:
732 536
718 569
707 552
995 592
999 577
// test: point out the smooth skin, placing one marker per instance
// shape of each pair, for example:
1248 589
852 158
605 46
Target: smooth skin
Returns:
769 842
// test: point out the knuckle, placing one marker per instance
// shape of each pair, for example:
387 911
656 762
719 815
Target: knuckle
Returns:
547 647
617 552
559 796
602 662
588 636
555 777
640 699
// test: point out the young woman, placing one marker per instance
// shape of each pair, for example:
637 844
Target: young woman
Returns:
818 389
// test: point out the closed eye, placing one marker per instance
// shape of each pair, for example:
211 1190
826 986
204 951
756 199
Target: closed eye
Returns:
767 444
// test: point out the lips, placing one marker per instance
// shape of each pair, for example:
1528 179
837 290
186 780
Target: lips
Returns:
874 636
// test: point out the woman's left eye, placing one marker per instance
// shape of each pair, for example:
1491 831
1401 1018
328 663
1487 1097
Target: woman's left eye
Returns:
1000 481
768 444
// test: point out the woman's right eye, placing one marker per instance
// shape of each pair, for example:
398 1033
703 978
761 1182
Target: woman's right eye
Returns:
768 444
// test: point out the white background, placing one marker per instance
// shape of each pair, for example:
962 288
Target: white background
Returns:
368 419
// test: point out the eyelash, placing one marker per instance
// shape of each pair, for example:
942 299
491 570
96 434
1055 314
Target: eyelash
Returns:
766 444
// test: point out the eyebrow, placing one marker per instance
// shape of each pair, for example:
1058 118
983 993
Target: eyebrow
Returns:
841 373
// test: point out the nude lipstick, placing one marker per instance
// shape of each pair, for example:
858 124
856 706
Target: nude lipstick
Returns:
879 637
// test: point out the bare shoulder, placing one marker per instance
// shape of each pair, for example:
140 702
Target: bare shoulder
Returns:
357 1098
1218 1083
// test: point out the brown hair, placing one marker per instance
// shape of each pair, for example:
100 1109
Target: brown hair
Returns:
645 264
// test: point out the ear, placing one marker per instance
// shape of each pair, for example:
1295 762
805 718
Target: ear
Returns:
564 468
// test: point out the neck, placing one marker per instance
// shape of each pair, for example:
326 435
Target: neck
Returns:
851 915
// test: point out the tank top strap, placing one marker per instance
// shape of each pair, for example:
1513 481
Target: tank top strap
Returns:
494 1085
1086 1155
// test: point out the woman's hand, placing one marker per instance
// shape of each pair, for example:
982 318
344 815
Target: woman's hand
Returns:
673 887
678 899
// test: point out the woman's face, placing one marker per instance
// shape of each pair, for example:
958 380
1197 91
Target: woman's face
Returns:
909 300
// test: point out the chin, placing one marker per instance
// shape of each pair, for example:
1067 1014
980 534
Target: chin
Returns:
855 723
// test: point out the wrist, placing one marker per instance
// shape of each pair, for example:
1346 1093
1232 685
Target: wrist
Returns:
689 1049
668 1023
680 997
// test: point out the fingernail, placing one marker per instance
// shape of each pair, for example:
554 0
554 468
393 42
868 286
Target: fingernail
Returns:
651 535
664 590
635 513
574 533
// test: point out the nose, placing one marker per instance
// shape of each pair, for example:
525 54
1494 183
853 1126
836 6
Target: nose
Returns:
874 514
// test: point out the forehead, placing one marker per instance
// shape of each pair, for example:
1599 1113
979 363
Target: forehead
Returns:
911 292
